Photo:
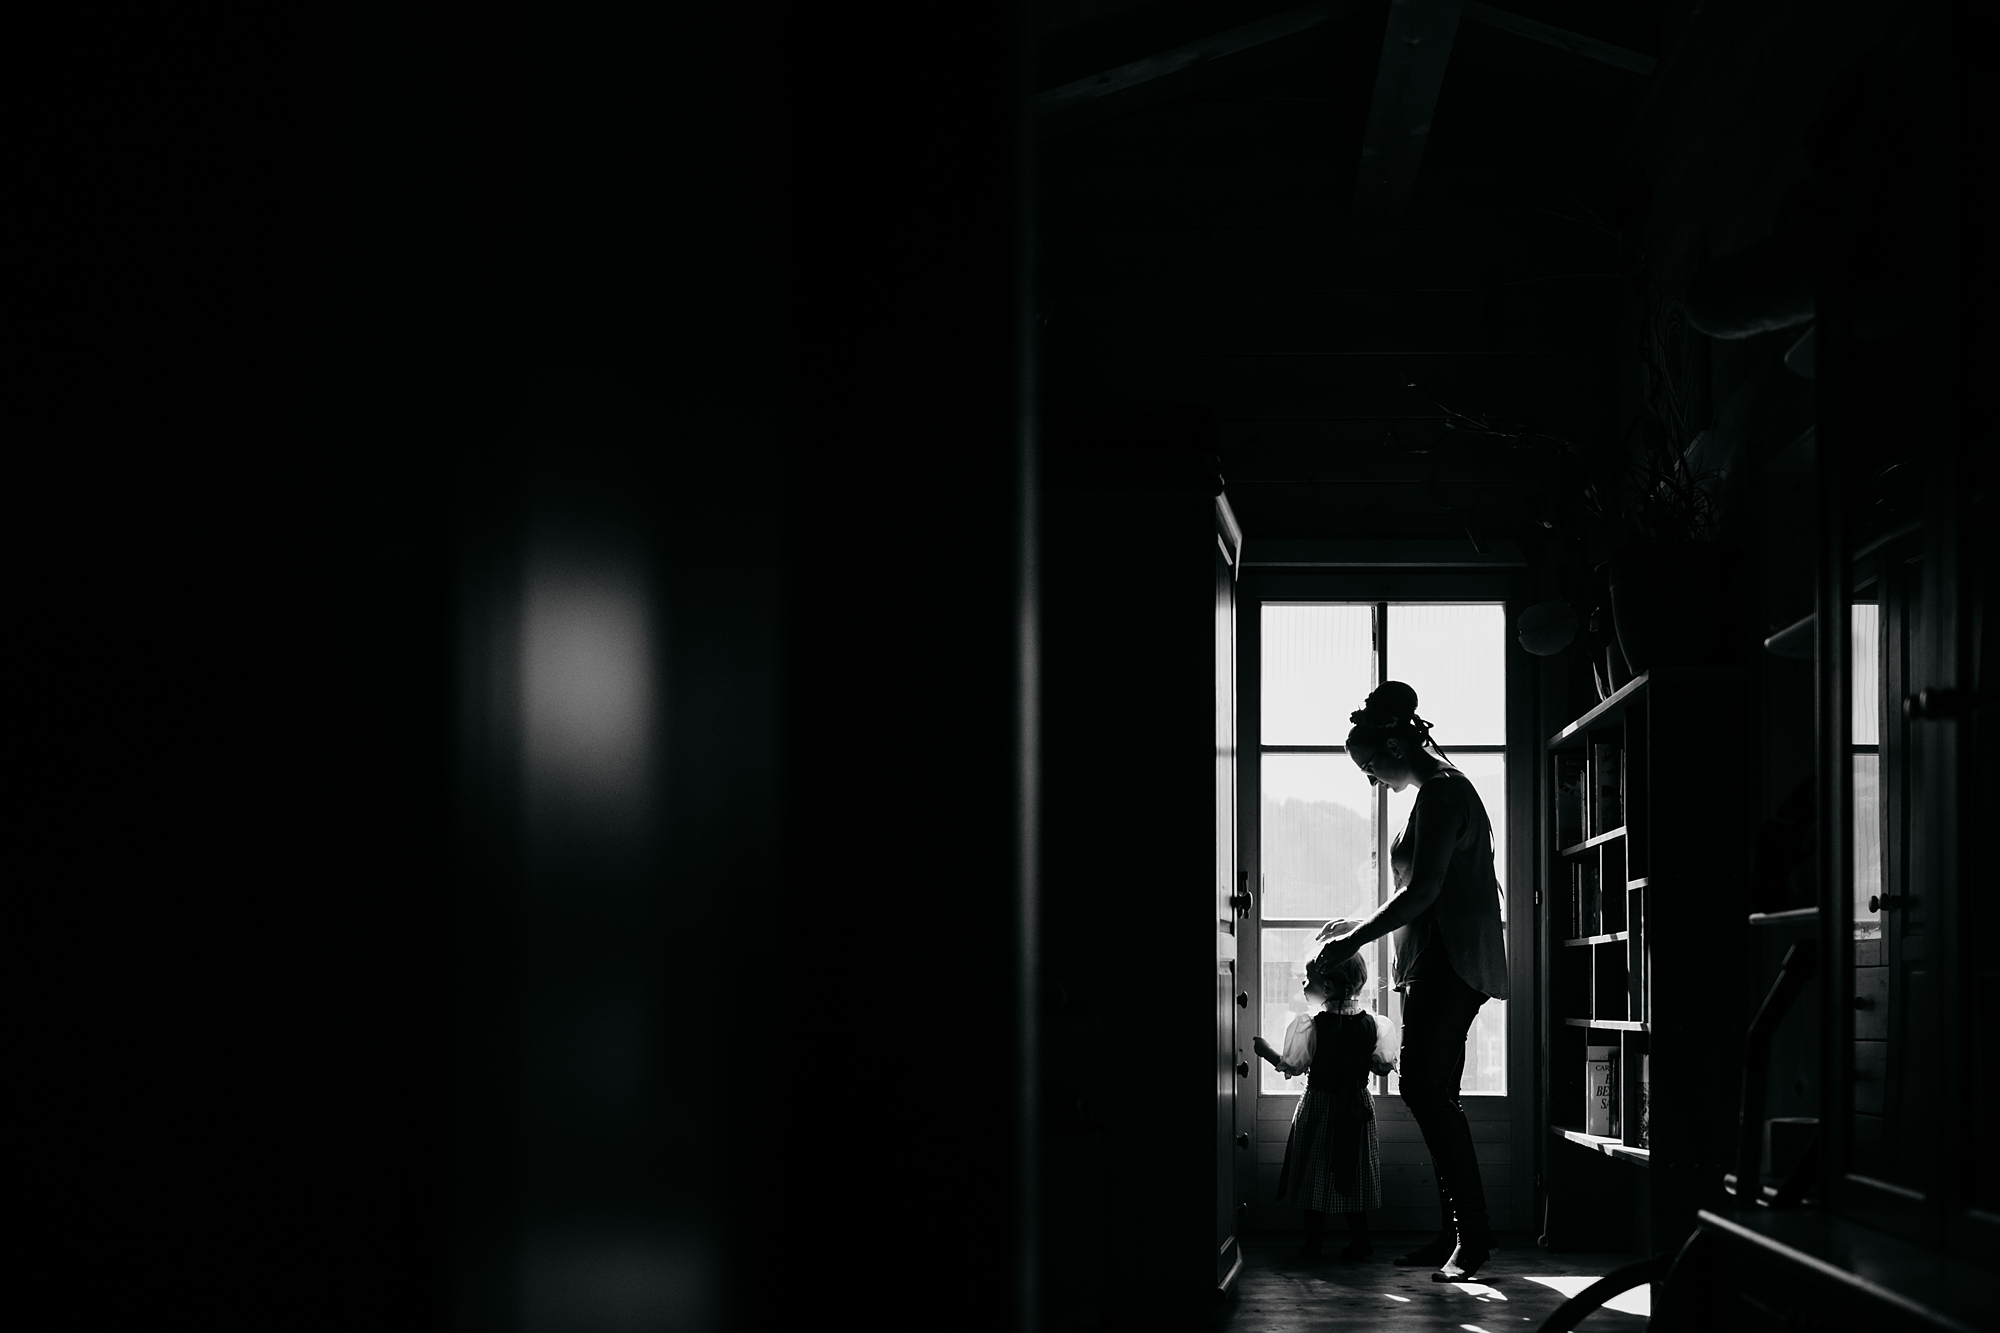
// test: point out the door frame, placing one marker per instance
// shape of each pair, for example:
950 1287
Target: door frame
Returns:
1518 1207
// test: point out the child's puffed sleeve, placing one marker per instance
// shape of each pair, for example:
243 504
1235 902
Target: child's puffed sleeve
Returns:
1301 1040
1388 1041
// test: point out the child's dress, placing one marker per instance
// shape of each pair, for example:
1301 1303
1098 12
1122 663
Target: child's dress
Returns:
1333 1159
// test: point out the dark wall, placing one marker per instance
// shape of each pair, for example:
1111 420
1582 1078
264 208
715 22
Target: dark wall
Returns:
1724 149
689 826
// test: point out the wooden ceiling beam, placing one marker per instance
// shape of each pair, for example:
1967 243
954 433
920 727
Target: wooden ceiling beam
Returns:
1416 47
1171 74
1561 38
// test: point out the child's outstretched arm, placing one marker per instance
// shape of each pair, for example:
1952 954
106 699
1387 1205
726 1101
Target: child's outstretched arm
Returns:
1277 1060
1297 1056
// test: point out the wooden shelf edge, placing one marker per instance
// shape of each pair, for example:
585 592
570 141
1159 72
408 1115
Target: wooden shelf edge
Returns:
1609 1024
1609 708
1797 914
1613 938
1609 835
1609 1145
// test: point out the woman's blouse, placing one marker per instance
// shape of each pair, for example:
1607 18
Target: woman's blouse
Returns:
1461 930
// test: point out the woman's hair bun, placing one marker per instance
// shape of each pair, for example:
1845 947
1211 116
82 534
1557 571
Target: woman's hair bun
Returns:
1391 702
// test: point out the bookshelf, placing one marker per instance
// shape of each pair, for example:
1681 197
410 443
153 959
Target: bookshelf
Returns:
1641 848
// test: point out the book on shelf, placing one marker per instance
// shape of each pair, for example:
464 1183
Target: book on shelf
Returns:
1644 1137
1635 974
1585 907
1606 762
1600 1110
1569 801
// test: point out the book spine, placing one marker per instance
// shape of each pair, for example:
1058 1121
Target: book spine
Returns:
1623 789
1645 1137
1599 1069
1569 801
1589 793
1635 951
1605 780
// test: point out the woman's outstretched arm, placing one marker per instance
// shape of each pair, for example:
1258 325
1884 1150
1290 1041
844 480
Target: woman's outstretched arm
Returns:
1437 830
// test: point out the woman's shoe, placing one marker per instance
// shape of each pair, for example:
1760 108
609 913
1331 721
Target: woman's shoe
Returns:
1464 1262
1428 1255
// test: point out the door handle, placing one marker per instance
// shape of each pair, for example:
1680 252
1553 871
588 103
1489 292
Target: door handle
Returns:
1243 1069
1242 1140
1240 900
1940 705
1243 999
1878 901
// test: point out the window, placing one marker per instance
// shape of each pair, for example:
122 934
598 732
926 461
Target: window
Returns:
1324 831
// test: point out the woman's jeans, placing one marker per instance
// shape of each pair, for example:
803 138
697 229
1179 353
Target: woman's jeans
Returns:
1437 1013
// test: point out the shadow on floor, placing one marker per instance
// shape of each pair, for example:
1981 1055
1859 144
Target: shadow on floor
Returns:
1517 1289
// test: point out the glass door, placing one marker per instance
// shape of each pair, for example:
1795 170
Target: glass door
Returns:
1324 830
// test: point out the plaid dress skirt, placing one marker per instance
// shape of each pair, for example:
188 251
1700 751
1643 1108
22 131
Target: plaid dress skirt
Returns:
1328 1126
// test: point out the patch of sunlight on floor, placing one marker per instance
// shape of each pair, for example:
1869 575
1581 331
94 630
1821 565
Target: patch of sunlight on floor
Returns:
1479 1289
1639 1300
1472 1328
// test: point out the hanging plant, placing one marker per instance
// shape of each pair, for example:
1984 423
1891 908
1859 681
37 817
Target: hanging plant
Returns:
1666 500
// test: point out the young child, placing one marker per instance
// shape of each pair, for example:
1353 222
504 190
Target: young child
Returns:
1333 1159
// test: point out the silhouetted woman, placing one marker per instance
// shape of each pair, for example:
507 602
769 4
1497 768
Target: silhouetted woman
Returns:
1450 955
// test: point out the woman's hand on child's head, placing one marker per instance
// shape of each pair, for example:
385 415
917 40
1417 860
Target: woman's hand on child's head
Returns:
1338 951
1339 926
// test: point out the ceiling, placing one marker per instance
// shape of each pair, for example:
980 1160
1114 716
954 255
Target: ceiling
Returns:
1348 253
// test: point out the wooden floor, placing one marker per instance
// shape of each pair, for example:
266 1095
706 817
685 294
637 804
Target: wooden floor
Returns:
1278 1292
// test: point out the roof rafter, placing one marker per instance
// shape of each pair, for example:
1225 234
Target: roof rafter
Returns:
1162 77
1172 73
1560 38
1416 47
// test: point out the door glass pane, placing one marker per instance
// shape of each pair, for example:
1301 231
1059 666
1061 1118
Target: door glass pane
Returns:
1455 657
1866 635
1286 953
1318 666
1488 775
1318 838
1486 1043
1867 842
1485 1048
1865 657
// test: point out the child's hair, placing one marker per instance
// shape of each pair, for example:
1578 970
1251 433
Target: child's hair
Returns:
1341 982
